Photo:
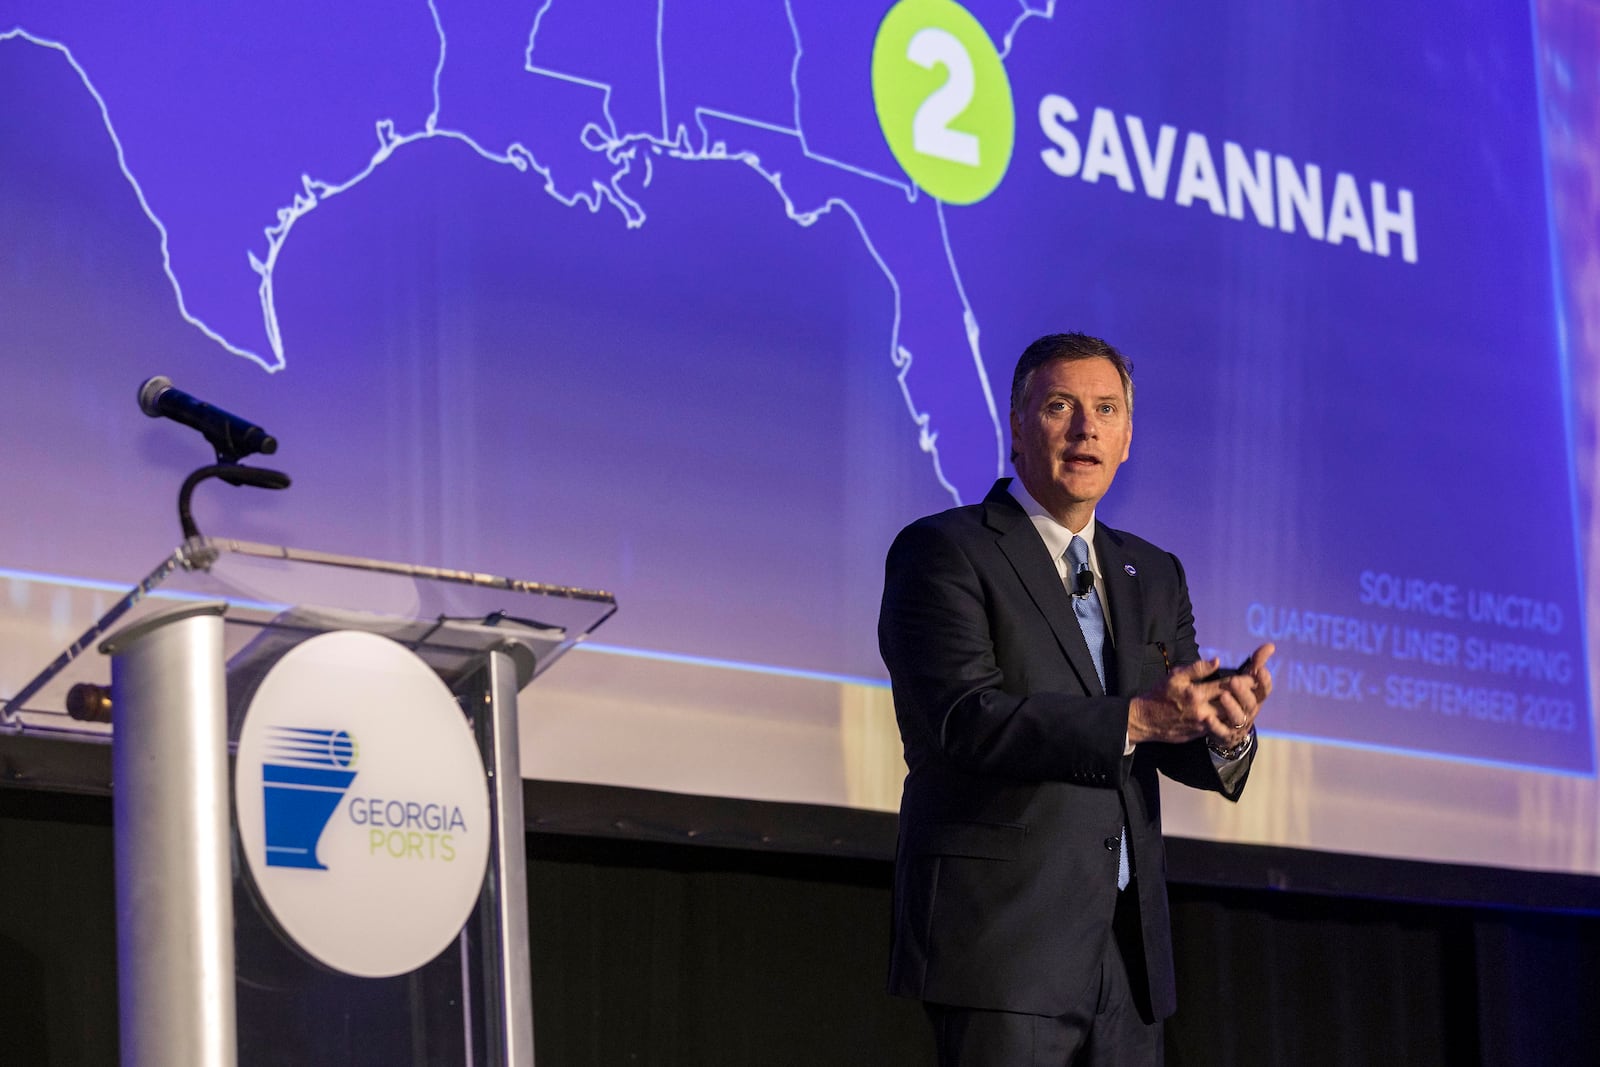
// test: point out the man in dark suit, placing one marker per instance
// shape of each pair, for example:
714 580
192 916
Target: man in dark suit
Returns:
1045 669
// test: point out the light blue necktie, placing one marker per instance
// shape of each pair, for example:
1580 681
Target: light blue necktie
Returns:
1092 621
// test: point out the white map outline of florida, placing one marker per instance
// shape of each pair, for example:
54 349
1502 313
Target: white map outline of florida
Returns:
624 150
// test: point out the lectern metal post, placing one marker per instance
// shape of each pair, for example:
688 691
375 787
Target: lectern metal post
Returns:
506 917
175 961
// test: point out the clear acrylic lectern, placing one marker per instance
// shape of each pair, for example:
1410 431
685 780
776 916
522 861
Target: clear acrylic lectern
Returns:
206 973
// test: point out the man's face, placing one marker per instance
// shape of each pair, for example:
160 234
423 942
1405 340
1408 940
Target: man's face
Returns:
1071 434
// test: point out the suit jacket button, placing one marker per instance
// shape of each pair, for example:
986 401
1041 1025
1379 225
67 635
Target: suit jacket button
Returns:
1111 843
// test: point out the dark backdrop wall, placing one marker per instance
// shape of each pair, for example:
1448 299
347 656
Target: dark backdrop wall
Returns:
672 954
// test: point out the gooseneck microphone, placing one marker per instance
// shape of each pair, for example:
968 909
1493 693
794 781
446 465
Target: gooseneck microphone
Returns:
232 437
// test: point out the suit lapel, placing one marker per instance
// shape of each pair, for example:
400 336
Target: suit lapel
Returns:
1127 605
1025 550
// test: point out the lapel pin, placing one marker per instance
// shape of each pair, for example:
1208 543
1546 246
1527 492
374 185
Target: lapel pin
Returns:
1130 569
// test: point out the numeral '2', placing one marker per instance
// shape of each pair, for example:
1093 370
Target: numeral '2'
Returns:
931 134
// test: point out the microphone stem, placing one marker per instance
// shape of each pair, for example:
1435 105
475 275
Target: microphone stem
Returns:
232 473
185 515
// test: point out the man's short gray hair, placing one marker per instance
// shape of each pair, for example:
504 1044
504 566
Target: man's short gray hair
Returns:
1069 346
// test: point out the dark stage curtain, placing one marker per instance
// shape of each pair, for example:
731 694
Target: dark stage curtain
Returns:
674 955
667 954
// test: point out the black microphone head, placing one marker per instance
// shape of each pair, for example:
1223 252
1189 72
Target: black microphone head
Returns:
1083 582
150 395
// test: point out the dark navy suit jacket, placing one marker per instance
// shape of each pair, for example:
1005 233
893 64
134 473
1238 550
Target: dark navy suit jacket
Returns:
1017 786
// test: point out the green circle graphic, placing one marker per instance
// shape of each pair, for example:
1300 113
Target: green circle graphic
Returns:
943 99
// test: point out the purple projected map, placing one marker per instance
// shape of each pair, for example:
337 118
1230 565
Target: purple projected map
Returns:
578 101
650 297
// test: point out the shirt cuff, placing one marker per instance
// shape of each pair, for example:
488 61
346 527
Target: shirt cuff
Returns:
1231 770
